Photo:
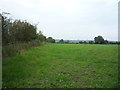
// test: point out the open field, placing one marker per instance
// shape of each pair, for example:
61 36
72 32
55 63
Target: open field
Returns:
63 65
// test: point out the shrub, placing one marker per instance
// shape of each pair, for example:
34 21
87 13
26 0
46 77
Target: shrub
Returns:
12 49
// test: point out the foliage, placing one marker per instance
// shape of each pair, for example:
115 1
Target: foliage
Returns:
61 41
17 31
91 42
67 42
105 42
20 31
114 42
41 37
81 42
50 40
18 35
16 48
99 40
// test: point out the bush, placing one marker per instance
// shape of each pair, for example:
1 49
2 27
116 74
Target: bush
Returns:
12 49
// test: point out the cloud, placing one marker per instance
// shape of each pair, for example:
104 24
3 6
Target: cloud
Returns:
68 19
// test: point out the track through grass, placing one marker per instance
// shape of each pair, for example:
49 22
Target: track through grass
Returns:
63 65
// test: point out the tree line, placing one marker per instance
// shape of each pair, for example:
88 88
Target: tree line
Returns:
20 35
21 31
97 40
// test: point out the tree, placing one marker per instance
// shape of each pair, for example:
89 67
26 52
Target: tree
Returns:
85 42
41 37
67 41
105 42
17 31
61 41
91 42
99 40
81 42
50 40
22 31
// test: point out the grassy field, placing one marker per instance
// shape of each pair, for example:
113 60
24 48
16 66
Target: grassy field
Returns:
63 65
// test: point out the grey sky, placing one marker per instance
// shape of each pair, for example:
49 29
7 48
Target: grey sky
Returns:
68 19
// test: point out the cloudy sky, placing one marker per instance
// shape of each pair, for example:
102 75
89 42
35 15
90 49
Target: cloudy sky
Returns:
68 19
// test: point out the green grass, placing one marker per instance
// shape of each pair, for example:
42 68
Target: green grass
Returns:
63 66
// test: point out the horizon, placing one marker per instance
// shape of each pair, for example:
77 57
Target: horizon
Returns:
85 40
68 19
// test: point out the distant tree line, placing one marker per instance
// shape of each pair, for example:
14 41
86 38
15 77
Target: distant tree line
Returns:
97 40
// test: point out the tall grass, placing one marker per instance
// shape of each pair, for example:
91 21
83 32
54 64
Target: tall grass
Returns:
16 48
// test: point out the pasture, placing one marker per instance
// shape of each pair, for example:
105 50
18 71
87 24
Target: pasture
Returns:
63 66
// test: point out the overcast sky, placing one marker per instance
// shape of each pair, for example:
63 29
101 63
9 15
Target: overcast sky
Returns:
68 19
